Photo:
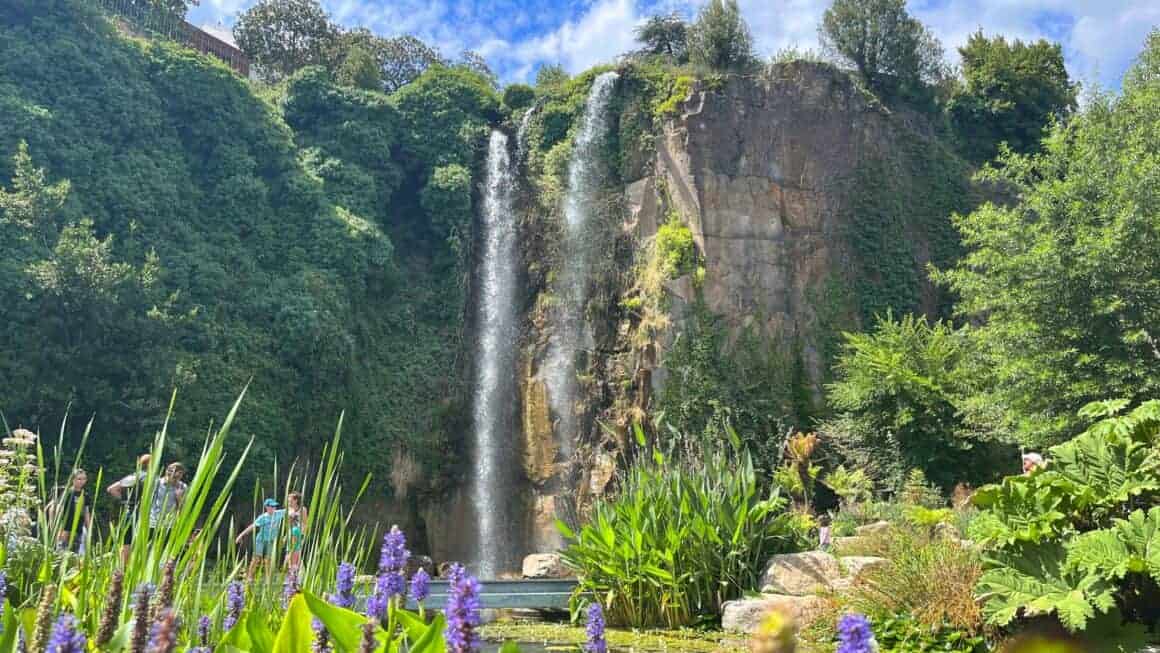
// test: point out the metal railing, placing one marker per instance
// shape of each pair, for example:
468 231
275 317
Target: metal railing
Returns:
146 18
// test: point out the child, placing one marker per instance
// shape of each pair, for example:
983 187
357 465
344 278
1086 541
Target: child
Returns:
296 516
265 529
824 543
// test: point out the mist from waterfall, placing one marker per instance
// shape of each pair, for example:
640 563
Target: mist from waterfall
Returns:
494 409
585 171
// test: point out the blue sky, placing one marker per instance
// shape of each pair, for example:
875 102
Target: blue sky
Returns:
1100 37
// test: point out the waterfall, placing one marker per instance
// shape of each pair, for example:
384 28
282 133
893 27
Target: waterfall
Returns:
493 411
585 172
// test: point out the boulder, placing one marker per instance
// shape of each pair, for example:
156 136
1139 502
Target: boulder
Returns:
545 565
744 615
877 528
852 543
855 566
800 573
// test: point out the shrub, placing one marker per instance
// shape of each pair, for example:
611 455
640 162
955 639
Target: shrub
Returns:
928 577
680 538
1079 538
681 89
675 247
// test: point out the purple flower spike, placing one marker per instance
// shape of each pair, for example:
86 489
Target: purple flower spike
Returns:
420 585
65 638
394 553
204 625
289 587
595 630
343 595
235 603
376 607
462 612
854 634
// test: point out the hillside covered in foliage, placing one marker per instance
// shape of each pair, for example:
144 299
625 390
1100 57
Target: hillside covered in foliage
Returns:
178 231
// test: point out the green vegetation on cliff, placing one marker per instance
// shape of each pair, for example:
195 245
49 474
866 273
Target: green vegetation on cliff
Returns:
217 242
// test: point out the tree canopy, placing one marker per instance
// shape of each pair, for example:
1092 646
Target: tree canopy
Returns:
665 35
719 39
284 36
1065 280
1009 93
891 50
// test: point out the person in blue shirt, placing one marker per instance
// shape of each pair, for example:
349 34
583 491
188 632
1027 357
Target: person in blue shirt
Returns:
265 529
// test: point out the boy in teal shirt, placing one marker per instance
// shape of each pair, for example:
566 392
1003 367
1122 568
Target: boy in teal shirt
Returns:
266 529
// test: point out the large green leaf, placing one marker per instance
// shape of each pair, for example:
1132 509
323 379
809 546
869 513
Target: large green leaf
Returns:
345 626
295 634
1032 581
8 637
1131 546
261 637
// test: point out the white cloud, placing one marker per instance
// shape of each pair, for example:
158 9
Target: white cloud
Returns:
1100 37
598 35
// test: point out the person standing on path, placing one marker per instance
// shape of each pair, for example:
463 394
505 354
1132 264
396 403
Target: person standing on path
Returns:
265 529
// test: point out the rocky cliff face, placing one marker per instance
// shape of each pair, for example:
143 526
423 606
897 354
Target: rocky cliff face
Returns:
763 172
796 186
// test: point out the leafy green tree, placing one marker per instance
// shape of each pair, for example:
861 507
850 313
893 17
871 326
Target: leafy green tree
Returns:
404 59
890 49
1009 93
475 62
719 39
551 76
895 396
665 35
518 96
1065 280
360 70
447 200
283 36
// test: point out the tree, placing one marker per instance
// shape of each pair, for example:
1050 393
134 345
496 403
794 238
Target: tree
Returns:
404 59
518 96
891 50
719 39
1009 93
360 70
896 394
665 35
1065 280
475 62
551 76
283 36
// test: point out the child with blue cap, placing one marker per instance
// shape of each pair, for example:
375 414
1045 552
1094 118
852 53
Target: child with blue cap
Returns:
265 529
